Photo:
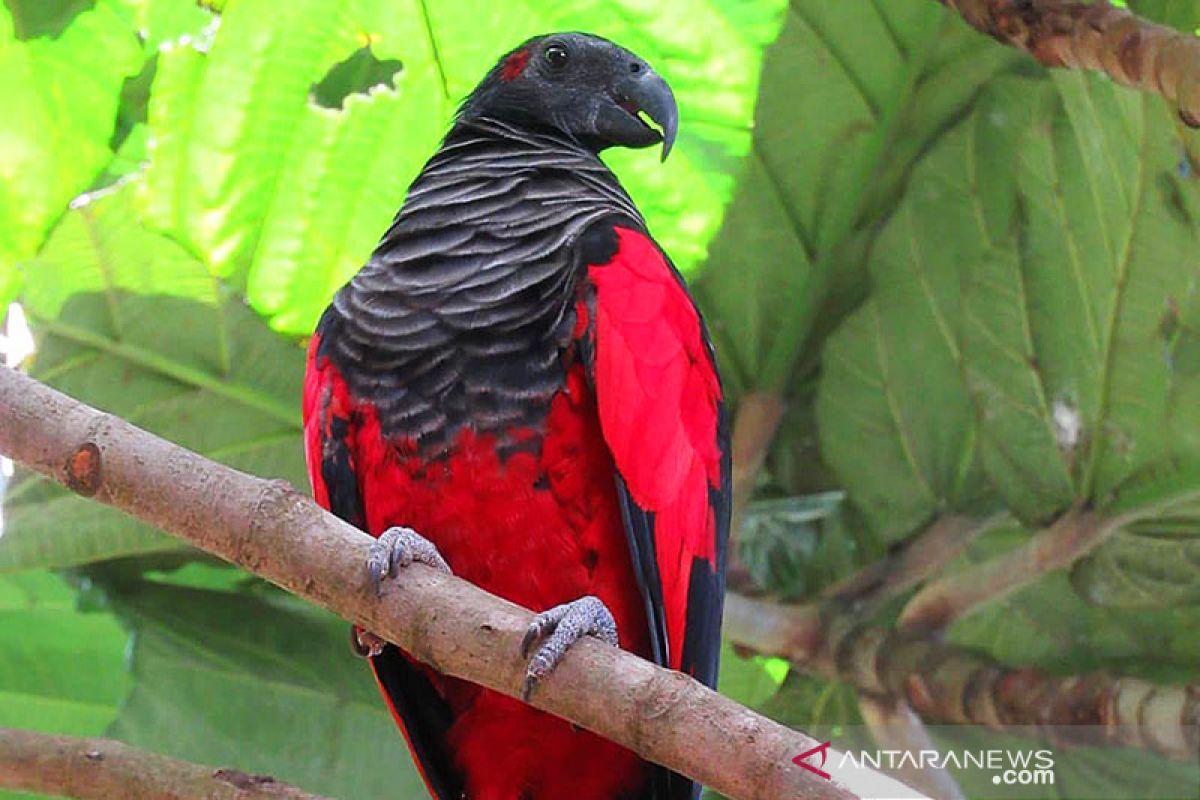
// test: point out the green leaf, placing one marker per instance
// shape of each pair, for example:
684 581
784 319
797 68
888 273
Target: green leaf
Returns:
129 322
852 94
271 189
45 636
902 457
59 103
1068 354
750 681
161 21
795 545
1181 14
260 682
45 639
1049 625
819 707
1154 561
34 19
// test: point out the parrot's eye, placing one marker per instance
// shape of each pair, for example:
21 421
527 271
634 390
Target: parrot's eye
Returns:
557 56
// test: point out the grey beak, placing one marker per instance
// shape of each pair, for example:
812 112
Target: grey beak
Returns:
652 95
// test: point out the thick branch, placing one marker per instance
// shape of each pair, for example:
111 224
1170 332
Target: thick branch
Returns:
455 627
894 726
102 769
1099 36
949 684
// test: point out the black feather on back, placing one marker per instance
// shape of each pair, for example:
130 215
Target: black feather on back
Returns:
465 307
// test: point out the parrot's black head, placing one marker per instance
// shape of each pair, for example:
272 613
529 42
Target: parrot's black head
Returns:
581 85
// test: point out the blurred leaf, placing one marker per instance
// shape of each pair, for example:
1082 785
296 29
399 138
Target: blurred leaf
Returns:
59 103
750 681
46 640
260 682
33 19
128 321
161 21
902 457
1078 772
1154 561
358 74
1066 354
852 93
1181 14
819 707
1049 625
271 189
793 546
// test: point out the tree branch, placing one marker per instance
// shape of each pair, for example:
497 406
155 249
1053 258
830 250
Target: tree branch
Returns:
754 427
949 684
865 592
457 628
937 604
1097 36
103 769
894 726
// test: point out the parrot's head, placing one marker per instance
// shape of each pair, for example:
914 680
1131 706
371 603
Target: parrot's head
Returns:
594 91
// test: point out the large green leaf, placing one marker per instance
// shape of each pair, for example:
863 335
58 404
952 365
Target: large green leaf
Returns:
260 682
1182 14
902 457
63 668
1049 625
128 321
852 93
273 190
1068 342
161 21
59 103
1154 560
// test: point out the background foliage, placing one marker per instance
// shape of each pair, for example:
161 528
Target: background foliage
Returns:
976 282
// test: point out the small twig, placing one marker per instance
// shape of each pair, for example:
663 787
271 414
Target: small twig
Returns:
865 592
1071 537
895 727
949 684
1097 36
103 769
457 628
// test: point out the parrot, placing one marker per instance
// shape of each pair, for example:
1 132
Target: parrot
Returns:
518 388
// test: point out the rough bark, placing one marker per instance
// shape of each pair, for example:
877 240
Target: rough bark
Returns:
948 684
271 530
102 769
1097 36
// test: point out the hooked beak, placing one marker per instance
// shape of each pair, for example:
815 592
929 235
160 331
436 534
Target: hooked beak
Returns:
649 93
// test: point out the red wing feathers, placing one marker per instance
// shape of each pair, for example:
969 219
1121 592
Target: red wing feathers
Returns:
659 401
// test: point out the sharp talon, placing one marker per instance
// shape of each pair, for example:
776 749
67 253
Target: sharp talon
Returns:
365 644
532 634
396 548
558 629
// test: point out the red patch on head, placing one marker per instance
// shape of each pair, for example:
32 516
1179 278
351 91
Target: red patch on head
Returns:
515 64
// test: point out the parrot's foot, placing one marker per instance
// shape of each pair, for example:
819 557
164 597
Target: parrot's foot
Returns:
557 629
364 643
399 547
395 548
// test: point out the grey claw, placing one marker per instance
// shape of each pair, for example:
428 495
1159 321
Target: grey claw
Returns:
365 644
560 627
399 547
